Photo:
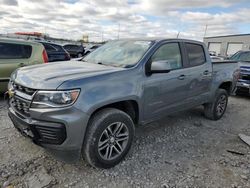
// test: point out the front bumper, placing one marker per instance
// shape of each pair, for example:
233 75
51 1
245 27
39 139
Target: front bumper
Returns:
60 131
243 87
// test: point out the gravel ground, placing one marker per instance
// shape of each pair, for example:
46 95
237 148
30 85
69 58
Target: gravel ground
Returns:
181 150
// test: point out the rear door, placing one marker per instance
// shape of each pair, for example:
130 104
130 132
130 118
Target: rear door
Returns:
12 56
200 73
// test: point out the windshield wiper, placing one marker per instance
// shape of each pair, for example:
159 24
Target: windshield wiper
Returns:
127 66
101 63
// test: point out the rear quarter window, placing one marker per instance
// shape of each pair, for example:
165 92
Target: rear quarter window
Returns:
196 54
15 51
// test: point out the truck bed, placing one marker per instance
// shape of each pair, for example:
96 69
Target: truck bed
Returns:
227 68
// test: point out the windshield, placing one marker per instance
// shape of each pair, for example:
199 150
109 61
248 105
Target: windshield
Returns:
241 56
119 53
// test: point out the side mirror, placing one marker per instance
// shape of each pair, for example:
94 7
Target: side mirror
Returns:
162 66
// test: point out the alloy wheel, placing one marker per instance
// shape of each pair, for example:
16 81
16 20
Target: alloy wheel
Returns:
113 141
221 105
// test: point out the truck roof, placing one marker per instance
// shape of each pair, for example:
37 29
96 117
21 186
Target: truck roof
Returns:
159 39
19 41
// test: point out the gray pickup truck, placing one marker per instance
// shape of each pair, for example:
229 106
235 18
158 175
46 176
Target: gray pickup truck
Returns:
90 108
243 60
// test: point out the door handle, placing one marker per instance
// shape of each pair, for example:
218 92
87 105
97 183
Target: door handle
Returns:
206 72
181 77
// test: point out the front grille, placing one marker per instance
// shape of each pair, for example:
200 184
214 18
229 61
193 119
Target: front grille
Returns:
23 89
245 73
22 99
245 77
21 105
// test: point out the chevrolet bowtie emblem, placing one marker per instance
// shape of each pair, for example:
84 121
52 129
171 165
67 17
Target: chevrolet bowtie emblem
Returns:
11 93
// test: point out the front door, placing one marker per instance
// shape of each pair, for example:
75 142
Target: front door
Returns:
166 92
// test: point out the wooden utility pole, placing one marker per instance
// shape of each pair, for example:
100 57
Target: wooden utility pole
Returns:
118 35
205 33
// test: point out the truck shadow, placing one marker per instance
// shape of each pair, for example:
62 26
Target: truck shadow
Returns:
192 116
242 95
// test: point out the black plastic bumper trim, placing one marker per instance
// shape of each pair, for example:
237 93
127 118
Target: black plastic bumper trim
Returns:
40 132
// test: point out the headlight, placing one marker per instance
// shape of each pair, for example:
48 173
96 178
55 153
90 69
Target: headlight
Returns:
10 85
54 99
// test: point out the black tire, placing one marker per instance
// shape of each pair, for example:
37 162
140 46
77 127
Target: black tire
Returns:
98 127
220 102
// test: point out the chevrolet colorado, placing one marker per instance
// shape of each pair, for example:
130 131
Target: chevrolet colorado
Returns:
90 108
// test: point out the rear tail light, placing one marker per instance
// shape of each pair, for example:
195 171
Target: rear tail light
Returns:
45 57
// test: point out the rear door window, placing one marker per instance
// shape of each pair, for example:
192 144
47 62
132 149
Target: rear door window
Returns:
196 54
50 48
59 48
15 51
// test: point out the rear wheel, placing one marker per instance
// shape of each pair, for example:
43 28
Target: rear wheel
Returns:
108 138
217 108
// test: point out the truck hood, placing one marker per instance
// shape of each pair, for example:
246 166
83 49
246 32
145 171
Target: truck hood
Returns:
50 76
244 64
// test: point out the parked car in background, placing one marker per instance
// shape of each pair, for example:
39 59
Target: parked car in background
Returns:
91 48
16 53
74 50
243 84
212 53
55 52
90 109
216 58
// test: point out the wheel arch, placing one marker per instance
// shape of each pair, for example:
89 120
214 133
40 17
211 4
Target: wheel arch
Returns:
131 107
227 85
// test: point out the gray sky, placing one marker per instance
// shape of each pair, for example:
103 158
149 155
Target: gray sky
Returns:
137 18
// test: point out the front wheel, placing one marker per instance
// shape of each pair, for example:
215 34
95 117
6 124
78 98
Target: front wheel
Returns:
108 138
216 109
